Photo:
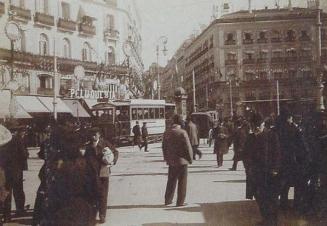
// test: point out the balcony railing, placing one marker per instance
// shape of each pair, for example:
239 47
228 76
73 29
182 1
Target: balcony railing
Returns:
248 61
262 40
21 14
262 60
44 91
304 38
230 62
66 24
86 29
276 40
44 19
291 58
305 58
247 41
111 34
2 8
230 42
277 59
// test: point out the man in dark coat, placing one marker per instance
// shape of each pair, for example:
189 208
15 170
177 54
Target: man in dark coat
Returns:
222 142
96 153
145 137
193 134
137 135
239 138
177 152
16 158
266 166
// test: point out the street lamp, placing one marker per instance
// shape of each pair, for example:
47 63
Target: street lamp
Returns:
163 41
13 33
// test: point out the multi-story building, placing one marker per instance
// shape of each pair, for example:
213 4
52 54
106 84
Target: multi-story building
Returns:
239 59
99 35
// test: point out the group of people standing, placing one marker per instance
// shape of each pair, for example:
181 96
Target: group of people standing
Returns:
277 154
141 136
74 178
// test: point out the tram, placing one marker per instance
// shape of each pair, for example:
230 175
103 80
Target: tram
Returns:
117 118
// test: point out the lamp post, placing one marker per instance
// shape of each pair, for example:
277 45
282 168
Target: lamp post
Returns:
161 40
13 33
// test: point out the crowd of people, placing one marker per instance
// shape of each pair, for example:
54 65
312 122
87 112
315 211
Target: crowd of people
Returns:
74 178
277 153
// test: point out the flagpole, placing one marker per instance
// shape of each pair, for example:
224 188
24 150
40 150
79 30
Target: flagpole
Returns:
193 81
278 100
54 81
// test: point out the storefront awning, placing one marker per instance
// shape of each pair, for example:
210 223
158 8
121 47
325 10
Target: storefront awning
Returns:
5 106
61 107
76 108
31 104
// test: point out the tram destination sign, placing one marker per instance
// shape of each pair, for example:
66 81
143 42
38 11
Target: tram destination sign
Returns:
91 94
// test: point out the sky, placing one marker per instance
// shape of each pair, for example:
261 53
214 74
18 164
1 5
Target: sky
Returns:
178 19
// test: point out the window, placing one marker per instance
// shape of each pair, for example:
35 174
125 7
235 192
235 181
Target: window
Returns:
290 35
162 113
146 113
86 52
291 52
43 45
134 114
157 113
275 36
18 3
65 10
43 6
111 56
45 82
110 22
231 56
304 36
66 48
140 113
152 113
263 54
230 40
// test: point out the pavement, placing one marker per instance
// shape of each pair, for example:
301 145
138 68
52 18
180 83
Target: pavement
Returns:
215 196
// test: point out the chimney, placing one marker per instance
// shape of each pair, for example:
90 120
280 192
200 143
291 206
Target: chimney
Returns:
250 6
290 7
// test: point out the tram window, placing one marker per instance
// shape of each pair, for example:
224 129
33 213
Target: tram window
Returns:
134 114
140 113
146 113
157 113
100 113
152 113
162 113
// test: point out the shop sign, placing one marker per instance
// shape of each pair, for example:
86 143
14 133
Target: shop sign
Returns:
90 94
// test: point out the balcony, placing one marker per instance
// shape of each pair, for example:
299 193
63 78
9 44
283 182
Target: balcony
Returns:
66 25
276 40
262 60
277 59
306 58
230 42
231 62
44 91
247 41
111 34
43 19
291 59
86 29
21 14
248 61
262 40
2 8
290 39
305 38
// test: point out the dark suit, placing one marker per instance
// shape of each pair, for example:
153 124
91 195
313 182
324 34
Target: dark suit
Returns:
178 153
16 157
137 135
94 155
145 138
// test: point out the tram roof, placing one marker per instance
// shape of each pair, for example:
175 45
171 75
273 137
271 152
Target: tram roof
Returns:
147 102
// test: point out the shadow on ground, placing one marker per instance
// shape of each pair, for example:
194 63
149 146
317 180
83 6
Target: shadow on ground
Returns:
236 213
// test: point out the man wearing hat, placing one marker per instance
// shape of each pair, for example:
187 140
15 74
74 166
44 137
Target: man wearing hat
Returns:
97 153
178 153
15 162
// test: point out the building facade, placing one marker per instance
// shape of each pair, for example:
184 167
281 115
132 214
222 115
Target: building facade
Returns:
90 34
253 58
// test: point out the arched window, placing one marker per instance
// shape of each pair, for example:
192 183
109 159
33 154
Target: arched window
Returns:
111 56
86 52
66 48
43 45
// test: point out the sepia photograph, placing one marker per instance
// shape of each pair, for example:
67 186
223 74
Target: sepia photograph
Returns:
163 113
